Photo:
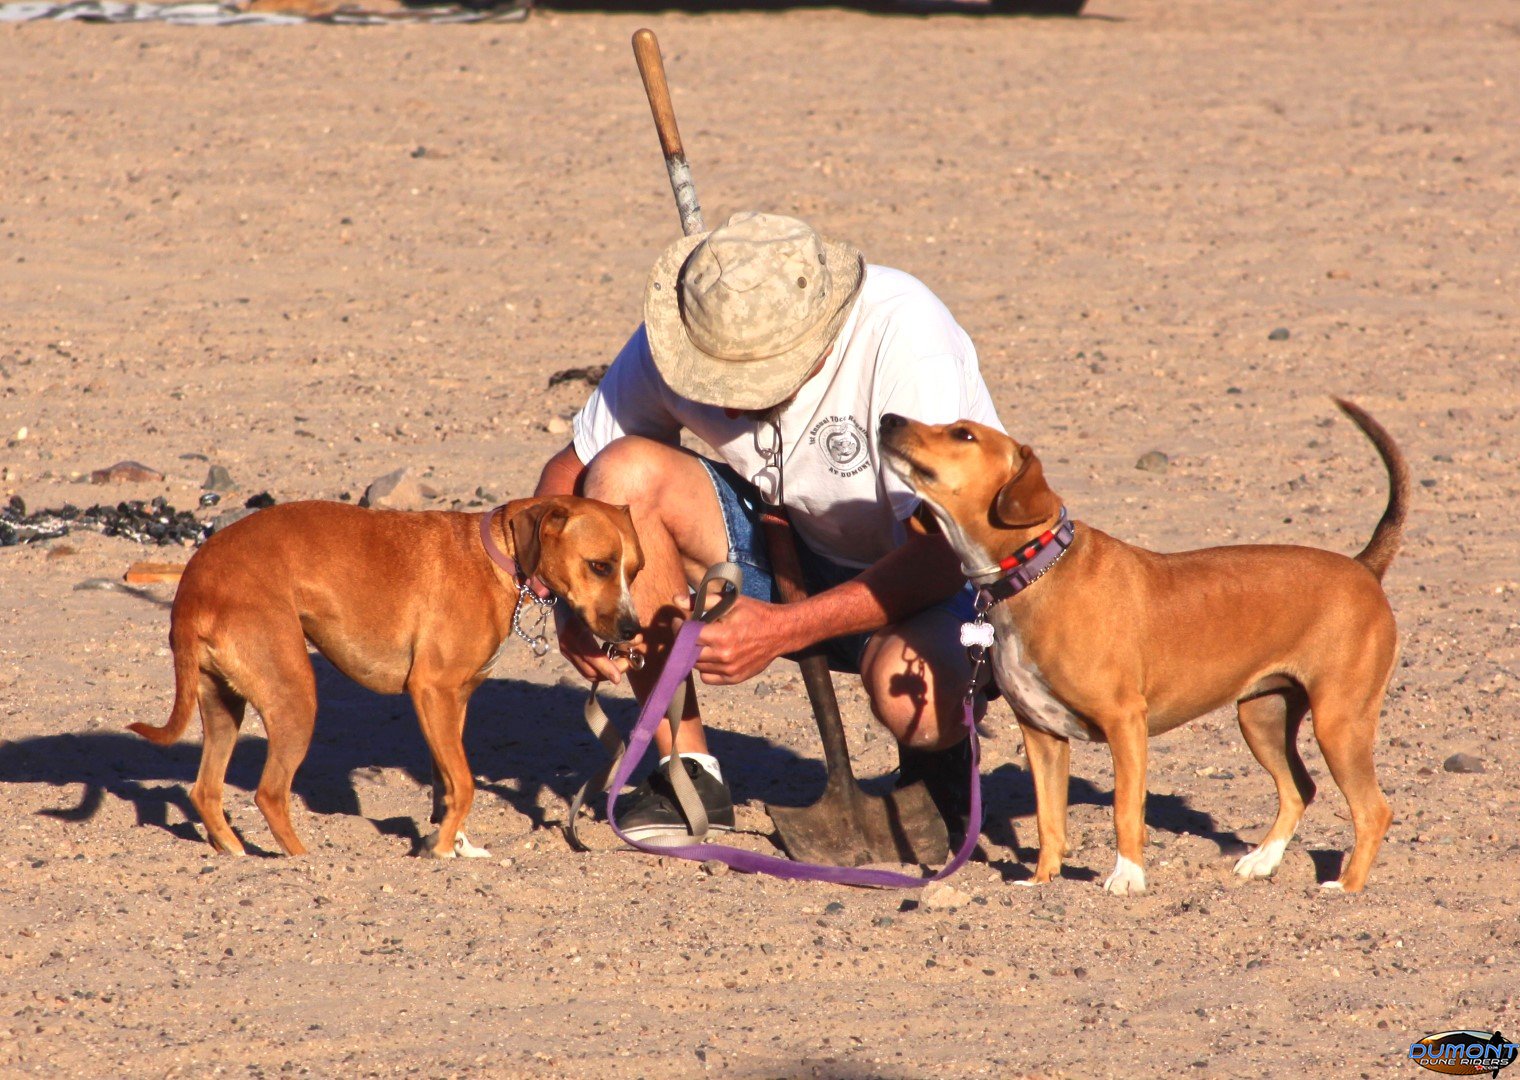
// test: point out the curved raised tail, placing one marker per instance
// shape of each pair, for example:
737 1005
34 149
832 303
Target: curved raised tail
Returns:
1389 534
187 681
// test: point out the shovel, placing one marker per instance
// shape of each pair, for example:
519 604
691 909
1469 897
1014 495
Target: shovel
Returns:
846 827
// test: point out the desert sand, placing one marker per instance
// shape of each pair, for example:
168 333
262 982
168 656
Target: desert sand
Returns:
313 255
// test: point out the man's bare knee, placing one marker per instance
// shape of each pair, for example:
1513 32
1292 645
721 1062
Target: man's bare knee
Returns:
630 471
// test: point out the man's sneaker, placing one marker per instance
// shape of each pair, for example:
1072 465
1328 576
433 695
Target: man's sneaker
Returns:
947 775
650 813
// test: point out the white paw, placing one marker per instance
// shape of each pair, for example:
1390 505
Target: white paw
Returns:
1029 883
1128 879
1262 861
462 848
466 850
1336 885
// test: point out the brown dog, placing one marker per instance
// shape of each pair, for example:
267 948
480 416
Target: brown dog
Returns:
396 601
1115 644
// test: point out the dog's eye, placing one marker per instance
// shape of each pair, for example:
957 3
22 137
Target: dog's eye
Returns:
599 567
964 434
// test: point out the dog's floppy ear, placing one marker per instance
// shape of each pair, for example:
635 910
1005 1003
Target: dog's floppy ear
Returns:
1026 499
530 528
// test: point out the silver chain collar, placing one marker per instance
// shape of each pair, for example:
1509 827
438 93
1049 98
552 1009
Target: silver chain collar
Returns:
538 640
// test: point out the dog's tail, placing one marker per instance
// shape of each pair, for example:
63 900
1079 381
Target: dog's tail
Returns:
187 681
1386 538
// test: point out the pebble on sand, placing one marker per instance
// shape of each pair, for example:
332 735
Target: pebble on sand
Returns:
126 472
394 491
937 896
1463 763
218 479
1153 461
1280 334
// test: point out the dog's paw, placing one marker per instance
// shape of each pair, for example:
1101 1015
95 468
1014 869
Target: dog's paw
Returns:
466 850
1128 879
430 850
1332 886
1261 861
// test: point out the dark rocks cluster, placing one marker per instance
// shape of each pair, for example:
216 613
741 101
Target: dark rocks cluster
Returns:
153 522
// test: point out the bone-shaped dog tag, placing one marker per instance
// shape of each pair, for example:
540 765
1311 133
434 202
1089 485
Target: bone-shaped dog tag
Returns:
976 633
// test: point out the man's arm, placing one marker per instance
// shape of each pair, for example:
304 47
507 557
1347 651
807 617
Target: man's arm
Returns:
917 574
562 473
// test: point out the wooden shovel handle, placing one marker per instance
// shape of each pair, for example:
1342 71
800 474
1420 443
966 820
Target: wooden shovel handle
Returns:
787 571
646 52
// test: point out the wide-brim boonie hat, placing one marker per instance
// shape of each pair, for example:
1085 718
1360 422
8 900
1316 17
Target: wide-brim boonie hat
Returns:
740 315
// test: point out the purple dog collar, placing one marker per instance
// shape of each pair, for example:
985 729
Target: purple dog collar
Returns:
1024 567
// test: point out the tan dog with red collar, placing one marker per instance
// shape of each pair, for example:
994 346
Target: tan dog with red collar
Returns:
415 602
1115 644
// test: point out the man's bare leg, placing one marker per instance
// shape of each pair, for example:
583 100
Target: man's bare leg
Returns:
680 525
915 674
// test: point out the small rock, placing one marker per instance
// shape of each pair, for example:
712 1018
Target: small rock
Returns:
1233 390
210 498
227 517
394 491
1153 461
1280 334
589 375
486 494
713 867
1464 763
883 920
1460 413
557 425
833 907
764 689
262 501
194 457
428 491
218 479
126 472
937 896
20 436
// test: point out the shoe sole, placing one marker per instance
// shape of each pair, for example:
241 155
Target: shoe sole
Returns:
669 835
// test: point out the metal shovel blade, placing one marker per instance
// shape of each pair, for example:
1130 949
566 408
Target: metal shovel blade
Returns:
848 827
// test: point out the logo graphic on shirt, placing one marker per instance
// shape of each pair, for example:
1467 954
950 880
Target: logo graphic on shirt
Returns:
842 442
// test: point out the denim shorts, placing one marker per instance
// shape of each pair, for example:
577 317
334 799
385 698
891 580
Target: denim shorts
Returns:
741 505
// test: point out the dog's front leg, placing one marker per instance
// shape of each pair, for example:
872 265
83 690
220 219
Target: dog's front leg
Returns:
1129 741
1050 769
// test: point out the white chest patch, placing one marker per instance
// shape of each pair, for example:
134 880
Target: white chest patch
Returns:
1022 683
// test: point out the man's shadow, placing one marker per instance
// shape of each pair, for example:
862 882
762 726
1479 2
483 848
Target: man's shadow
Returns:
525 741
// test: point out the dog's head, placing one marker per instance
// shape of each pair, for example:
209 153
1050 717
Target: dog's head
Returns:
587 553
987 491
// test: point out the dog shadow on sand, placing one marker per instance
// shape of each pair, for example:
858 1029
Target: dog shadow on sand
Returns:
525 741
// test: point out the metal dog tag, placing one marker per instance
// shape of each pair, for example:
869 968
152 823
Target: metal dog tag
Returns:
976 633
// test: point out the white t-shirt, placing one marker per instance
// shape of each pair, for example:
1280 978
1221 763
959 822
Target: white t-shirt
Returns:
899 352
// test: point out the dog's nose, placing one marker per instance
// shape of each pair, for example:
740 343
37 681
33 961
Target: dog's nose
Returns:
628 629
890 421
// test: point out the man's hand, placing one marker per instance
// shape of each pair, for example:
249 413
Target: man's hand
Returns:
578 645
743 643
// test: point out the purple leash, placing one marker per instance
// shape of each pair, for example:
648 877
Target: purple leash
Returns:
679 663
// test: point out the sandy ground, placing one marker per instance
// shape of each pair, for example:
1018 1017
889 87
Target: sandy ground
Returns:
313 255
